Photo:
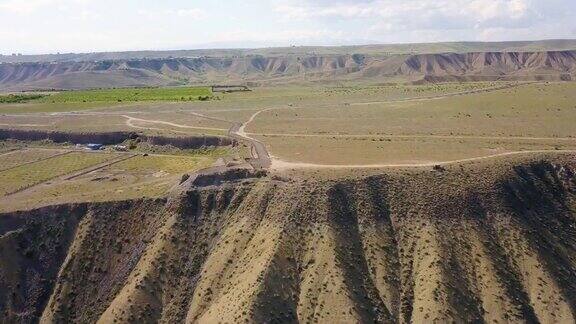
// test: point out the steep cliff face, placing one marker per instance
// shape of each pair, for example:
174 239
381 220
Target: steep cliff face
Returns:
465 246
559 65
507 65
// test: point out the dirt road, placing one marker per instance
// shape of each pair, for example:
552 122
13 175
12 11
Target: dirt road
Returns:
260 156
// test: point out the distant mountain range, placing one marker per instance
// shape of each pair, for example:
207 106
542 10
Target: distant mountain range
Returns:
541 60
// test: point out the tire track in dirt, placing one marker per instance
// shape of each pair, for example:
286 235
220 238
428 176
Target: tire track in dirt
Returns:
416 136
130 123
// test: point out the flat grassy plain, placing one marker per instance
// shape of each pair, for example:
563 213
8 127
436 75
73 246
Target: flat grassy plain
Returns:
369 124
527 117
545 110
358 151
174 124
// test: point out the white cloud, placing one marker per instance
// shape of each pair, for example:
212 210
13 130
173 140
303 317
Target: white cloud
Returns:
337 10
192 13
26 7
88 25
275 36
460 10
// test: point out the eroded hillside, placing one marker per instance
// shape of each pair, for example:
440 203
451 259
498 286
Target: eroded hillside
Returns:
474 66
492 243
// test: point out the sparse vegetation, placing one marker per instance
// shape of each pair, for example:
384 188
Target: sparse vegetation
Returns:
425 242
18 178
335 249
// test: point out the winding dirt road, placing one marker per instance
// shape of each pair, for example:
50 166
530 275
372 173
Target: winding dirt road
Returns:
130 123
260 156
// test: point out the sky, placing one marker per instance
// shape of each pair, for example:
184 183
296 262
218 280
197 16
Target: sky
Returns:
51 26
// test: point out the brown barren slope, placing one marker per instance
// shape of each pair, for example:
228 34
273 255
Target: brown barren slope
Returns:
469 244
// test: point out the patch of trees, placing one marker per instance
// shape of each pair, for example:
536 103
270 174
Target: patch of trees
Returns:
19 98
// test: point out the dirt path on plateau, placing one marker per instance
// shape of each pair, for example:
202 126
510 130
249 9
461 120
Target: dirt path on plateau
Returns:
260 156
130 123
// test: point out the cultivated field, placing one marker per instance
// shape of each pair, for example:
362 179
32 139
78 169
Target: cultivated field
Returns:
66 101
19 157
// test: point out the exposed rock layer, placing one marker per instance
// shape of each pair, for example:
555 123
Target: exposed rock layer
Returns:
550 65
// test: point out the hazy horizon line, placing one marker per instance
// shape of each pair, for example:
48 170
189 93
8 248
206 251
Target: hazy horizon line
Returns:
206 47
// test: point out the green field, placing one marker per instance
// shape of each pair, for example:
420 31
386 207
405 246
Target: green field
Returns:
130 95
65 101
113 95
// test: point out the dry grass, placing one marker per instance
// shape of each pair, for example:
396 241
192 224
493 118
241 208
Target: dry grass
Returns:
24 156
151 176
22 177
390 150
522 118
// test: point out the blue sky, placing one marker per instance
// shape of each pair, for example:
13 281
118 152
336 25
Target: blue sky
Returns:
49 26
